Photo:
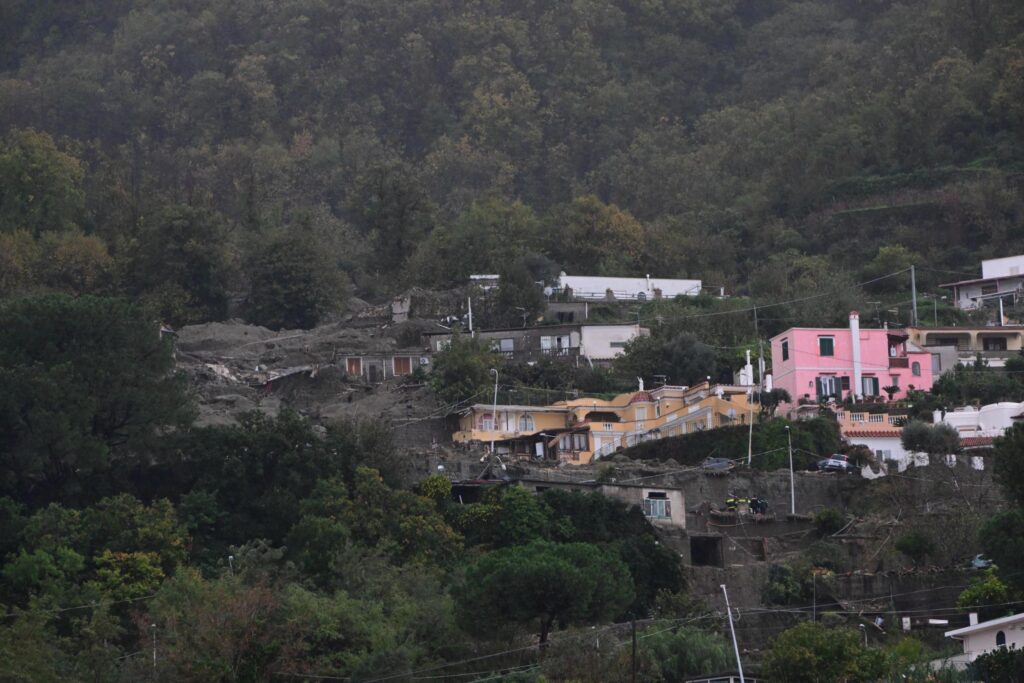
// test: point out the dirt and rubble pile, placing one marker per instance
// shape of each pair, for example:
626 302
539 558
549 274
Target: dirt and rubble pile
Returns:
234 367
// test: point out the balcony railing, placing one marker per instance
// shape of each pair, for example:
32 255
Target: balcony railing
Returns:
899 362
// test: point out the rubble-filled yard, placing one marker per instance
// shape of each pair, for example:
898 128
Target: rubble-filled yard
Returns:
234 368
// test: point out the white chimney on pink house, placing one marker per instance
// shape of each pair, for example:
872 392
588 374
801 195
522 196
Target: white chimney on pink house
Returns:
855 345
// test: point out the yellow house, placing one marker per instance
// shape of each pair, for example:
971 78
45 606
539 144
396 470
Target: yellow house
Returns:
584 429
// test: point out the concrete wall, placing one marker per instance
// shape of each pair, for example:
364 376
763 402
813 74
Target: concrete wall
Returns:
1003 267
633 495
596 341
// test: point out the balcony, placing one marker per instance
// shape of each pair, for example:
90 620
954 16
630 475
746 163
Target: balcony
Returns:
899 362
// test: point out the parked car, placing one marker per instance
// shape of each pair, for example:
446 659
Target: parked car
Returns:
837 462
718 464
979 562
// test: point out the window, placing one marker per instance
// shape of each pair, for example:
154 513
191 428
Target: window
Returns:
785 349
845 381
546 343
988 289
936 364
915 369
826 346
869 386
506 345
1000 639
656 505
641 414
657 409
526 423
486 422
573 442
993 343
828 387
894 380
617 344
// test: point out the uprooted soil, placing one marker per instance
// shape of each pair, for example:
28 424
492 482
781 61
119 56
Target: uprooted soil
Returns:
234 368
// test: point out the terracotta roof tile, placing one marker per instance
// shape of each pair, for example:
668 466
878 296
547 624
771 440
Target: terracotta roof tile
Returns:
872 433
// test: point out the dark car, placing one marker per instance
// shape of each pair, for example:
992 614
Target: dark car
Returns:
837 462
718 464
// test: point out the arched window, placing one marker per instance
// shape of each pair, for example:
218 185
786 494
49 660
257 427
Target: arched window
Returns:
915 368
526 423
1000 639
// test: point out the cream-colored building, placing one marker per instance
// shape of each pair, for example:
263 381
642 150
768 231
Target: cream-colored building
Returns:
987 636
583 429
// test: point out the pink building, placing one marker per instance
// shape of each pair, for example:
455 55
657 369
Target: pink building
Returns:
822 363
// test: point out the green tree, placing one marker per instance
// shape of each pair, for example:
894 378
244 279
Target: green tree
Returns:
40 186
393 211
520 299
683 652
769 401
1008 450
1002 539
541 584
462 370
1002 665
939 439
915 545
183 265
484 238
75 263
812 653
987 595
293 283
590 237
684 359
88 380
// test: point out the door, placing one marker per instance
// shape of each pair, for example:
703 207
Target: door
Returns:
374 373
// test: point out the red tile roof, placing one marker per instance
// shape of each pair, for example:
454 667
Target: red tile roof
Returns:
642 396
872 433
976 441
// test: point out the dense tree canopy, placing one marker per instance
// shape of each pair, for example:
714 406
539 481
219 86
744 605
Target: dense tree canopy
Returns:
777 148
86 380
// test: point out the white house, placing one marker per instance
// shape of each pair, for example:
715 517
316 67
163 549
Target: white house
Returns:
1001 281
626 288
987 421
989 635
604 342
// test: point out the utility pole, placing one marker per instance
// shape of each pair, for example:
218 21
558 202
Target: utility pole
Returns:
814 599
153 628
494 410
760 380
469 303
792 488
732 629
632 676
913 292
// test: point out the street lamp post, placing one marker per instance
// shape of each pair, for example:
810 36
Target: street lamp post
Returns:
494 410
792 487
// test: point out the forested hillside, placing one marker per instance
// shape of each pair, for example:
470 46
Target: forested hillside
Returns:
182 150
